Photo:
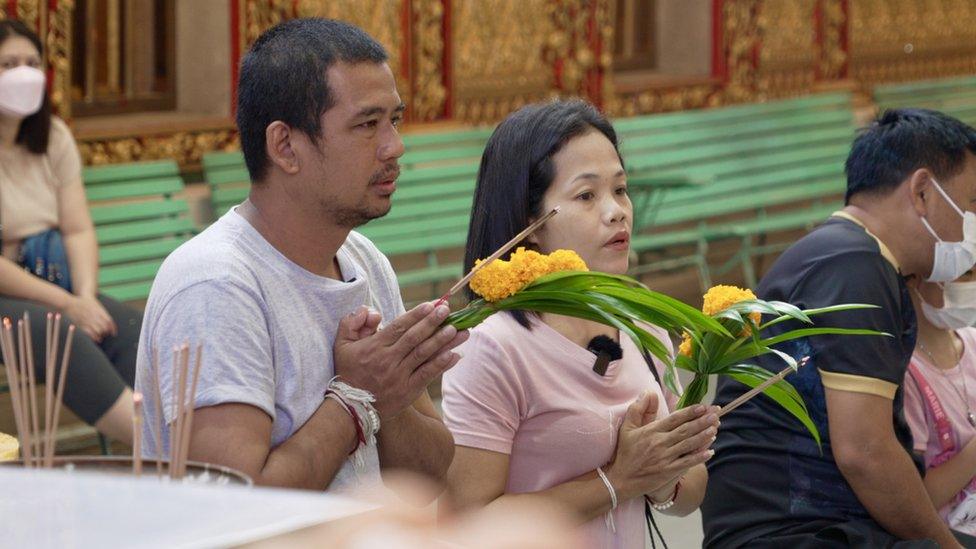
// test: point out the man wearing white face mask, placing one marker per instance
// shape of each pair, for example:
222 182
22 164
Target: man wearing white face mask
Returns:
911 183
939 397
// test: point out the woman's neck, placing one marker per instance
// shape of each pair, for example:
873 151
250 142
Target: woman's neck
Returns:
8 131
577 330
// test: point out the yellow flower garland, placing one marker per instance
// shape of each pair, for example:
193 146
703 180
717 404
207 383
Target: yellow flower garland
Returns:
717 299
500 279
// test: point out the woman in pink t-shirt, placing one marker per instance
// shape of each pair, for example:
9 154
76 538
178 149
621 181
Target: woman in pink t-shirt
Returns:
532 420
940 397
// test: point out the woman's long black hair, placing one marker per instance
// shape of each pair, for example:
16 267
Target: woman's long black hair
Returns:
517 169
35 129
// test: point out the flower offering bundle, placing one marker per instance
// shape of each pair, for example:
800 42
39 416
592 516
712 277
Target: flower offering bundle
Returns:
716 341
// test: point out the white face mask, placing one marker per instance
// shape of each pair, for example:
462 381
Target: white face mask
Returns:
959 310
953 259
21 91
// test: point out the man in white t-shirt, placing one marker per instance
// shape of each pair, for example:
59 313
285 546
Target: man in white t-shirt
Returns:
284 295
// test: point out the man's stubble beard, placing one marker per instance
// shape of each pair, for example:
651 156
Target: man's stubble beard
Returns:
356 216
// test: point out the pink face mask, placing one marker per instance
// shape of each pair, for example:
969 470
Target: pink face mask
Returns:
21 91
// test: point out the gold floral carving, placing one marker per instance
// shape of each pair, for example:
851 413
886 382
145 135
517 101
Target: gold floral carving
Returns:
430 93
832 57
28 12
379 18
58 42
740 39
788 52
259 16
662 100
498 56
569 43
186 147
893 40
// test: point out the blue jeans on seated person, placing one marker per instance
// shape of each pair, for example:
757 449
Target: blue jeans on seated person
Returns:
42 254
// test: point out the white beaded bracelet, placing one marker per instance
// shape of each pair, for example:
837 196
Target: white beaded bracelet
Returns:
665 505
613 499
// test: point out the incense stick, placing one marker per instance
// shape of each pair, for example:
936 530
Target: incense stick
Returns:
48 382
761 387
24 387
13 380
62 377
498 253
176 434
32 384
137 434
188 420
55 346
175 408
159 414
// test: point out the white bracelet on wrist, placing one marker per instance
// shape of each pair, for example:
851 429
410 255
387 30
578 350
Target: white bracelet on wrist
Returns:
665 505
368 418
613 499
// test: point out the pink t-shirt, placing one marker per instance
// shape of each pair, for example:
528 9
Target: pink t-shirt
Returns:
534 396
948 387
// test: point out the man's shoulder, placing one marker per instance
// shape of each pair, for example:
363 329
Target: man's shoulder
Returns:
214 256
836 237
363 249
837 249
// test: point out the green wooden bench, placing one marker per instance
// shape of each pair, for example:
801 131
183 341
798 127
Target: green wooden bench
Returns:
228 179
137 223
953 96
766 168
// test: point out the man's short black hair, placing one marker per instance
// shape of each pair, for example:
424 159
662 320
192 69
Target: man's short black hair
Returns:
901 141
283 77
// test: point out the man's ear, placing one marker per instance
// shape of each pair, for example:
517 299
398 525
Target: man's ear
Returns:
281 148
920 190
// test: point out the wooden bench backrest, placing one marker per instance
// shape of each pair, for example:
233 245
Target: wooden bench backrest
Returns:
138 222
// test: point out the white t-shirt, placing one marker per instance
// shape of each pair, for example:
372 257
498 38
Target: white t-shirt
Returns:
267 327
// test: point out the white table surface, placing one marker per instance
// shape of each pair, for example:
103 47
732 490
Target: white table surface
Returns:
41 509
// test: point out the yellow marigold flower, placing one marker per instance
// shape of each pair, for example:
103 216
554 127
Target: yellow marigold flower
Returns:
685 347
501 279
721 297
566 260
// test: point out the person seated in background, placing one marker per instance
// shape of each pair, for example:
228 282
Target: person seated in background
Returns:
940 396
299 386
49 256
911 189
531 419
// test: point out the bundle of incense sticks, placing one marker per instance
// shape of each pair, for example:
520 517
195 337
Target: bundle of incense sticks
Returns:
183 407
36 448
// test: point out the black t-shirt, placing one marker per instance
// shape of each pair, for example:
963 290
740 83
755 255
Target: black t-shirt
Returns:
768 473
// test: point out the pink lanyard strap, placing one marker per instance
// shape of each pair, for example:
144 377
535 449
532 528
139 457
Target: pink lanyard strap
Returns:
942 424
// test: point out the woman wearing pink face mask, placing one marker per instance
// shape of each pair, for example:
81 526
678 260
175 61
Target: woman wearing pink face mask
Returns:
940 396
49 259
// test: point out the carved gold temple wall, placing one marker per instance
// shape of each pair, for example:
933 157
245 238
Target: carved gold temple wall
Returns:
894 41
474 61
